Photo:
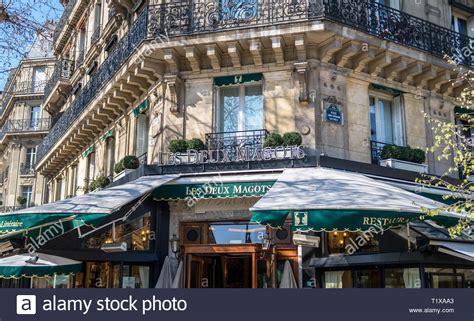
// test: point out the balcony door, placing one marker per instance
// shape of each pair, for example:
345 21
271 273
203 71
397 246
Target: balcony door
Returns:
386 120
39 79
35 116
240 108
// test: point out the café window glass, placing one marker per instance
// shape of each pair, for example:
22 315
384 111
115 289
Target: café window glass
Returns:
337 279
352 243
134 232
407 278
135 277
369 278
236 233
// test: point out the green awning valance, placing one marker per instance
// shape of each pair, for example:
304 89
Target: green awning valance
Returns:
213 190
140 108
238 79
88 151
387 90
108 134
463 110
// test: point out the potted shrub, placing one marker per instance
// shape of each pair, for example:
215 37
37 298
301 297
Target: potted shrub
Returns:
125 166
195 144
21 200
178 146
292 139
185 151
273 140
99 182
404 157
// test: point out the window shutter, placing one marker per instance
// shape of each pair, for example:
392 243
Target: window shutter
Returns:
142 135
397 118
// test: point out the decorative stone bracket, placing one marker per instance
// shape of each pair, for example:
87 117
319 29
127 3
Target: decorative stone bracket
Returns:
173 86
302 70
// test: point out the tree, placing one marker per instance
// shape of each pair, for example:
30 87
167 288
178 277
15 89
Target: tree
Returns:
453 142
20 22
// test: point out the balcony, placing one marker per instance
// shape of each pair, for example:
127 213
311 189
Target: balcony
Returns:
188 17
63 70
27 169
376 149
21 88
232 142
26 125
114 61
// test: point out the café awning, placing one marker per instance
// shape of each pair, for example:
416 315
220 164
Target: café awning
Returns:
462 250
89 208
38 265
321 199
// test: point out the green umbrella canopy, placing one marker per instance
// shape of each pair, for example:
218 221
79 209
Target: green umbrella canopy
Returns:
320 199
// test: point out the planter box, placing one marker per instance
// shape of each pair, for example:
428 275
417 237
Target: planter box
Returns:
123 173
404 165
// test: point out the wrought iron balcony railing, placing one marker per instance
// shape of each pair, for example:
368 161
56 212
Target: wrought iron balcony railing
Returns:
376 149
27 169
63 70
64 17
190 17
105 72
26 125
232 143
21 88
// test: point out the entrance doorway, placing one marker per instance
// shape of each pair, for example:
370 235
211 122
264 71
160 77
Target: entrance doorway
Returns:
236 266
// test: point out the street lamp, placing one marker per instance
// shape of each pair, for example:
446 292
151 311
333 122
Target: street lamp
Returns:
174 243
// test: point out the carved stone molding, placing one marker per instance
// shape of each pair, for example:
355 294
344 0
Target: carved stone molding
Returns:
173 86
302 70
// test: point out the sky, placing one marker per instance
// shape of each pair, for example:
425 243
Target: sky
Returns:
15 40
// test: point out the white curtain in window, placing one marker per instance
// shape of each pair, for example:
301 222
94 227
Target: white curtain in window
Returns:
411 278
397 119
333 280
144 272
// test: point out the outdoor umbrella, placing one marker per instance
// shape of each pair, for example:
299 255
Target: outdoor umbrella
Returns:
178 278
38 265
165 280
287 277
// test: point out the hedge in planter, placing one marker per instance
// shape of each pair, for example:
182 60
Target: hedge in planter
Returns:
178 146
195 144
21 200
292 139
403 153
273 140
99 182
128 162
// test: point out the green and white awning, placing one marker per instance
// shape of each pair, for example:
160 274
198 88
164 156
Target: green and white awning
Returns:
38 265
320 199
88 209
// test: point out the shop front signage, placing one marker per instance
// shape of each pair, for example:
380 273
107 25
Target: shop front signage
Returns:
214 190
333 114
236 154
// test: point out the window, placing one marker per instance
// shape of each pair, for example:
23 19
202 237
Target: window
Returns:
240 108
243 233
134 232
367 278
35 115
141 142
386 120
30 158
110 155
27 192
408 278
91 166
439 278
337 279
352 243
135 277
459 24
39 79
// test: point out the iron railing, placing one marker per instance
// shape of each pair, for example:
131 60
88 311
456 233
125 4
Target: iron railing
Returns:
79 58
26 125
96 35
376 149
21 88
27 169
64 17
63 70
114 61
232 143
190 17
